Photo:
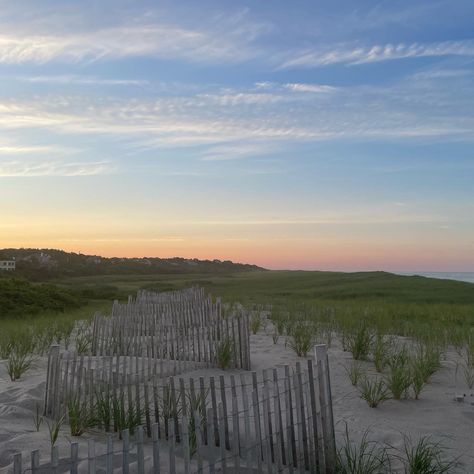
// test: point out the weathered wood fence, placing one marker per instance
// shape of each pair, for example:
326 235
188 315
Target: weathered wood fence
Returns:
278 420
182 325
150 417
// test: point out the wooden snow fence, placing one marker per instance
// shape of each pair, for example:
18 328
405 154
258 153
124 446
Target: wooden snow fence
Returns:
274 421
183 325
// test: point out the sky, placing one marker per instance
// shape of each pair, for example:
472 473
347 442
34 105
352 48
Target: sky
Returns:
332 135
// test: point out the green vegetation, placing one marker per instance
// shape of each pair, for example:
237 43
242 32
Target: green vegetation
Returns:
301 338
368 457
81 416
20 297
355 372
374 391
224 353
422 456
54 428
43 264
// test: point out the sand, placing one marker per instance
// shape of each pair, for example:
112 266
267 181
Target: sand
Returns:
436 414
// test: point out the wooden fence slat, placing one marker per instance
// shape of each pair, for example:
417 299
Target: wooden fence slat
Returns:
125 451
35 461
171 447
91 463
17 464
155 434
140 453
109 462
74 457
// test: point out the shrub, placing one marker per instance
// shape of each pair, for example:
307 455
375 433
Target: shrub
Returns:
368 457
373 392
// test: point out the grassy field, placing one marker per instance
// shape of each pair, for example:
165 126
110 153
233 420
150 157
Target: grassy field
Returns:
392 303
400 297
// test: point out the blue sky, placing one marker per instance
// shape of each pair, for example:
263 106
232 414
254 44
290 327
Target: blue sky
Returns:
302 134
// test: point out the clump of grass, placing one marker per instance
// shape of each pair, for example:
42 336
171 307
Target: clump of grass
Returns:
280 320
380 352
424 457
374 391
18 363
81 415
256 322
170 406
104 411
355 372
224 353
197 407
125 417
417 378
83 339
368 457
54 428
468 373
38 417
301 339
399 377
359 341
430 355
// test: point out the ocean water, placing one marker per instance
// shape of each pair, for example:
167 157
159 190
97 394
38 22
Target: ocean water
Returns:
460 276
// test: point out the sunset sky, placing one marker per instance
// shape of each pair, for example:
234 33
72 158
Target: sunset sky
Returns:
305 134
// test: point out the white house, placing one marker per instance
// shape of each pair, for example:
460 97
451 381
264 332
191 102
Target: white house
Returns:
8 265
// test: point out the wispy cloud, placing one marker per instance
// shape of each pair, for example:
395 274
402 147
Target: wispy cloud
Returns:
228 39
54 168
385 52
9 149
395 219
312 88
239 123
237 151
82 80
